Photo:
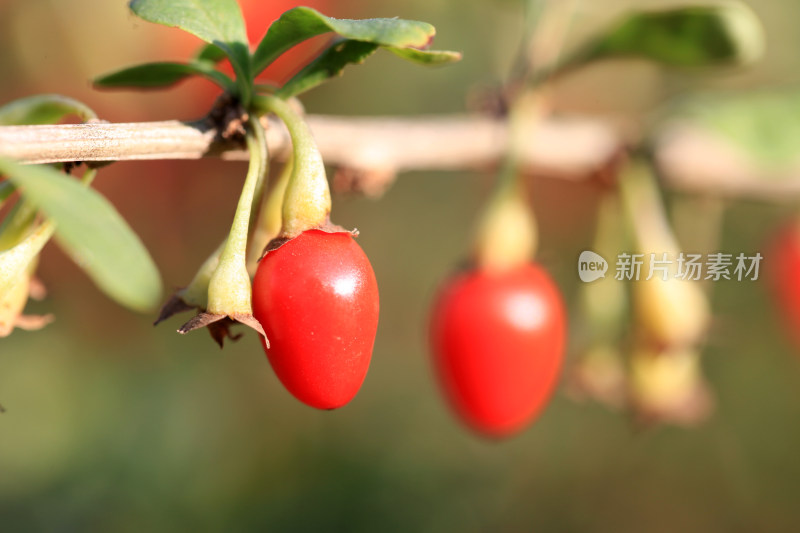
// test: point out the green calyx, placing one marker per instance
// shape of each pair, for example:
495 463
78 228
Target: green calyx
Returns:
224 275
196 293
229 290
507 235
672 312
17 265
22 237
16 262
270 218
604 303
307 200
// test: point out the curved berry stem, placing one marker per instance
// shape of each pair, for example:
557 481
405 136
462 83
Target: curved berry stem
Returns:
307 202
507 232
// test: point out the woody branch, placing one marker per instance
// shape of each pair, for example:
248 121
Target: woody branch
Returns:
376 148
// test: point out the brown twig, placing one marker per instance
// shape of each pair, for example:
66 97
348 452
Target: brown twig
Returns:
690 159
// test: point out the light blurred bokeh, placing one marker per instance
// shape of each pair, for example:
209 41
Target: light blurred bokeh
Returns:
113 425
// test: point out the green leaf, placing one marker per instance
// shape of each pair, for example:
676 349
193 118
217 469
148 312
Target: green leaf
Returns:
327 65
698 36
333 60
163 74
43 109
218 22
215 21
301 23
93 232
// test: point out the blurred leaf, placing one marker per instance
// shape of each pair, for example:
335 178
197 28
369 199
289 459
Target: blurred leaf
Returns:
6 189
301 23
33 110
218 22
266 88
93 232
43 109
765 125
163 74
697 36
18 221
211 53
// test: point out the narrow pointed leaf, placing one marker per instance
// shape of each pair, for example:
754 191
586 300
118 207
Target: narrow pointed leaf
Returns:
218 22
332 62
329 64
301 23
426 57
93 232
162 74
42 109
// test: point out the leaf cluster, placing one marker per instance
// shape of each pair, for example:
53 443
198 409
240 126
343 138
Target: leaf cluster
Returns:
220 24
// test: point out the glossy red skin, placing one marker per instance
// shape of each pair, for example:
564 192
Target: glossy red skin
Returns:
498 343
317 299
782 264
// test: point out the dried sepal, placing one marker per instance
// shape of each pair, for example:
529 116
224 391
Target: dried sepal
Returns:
174 305
17 265
600 375
219 326
12 303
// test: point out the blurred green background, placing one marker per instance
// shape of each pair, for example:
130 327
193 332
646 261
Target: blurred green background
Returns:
113 425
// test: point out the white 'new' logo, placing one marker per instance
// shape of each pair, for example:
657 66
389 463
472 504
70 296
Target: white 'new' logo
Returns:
591 266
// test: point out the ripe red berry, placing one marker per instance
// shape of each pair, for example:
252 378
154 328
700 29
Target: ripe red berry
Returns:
317 299
782 262
498 342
